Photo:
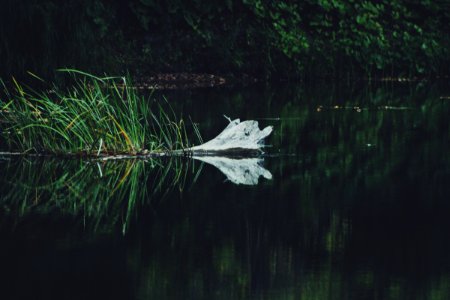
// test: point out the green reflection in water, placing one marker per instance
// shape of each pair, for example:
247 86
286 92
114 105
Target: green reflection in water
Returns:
100 194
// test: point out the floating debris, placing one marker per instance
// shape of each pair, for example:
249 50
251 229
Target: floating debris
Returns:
360 109
175 81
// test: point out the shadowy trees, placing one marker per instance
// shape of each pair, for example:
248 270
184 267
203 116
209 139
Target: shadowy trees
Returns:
267 39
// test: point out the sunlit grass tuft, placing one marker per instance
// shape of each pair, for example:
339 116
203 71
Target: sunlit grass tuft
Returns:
95 116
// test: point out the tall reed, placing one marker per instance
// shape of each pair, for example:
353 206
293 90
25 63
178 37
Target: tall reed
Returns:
94 116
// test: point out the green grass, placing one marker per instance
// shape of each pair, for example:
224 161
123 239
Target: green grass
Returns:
94 116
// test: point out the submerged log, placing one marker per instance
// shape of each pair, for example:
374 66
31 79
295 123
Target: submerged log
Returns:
237 139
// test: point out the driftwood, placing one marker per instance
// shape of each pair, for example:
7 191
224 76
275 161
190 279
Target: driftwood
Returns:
237 138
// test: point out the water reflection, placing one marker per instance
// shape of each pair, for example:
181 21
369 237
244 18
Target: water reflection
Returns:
106 193
101 194
338 220
239 170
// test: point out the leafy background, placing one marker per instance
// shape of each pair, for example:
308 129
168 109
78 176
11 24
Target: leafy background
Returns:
266 39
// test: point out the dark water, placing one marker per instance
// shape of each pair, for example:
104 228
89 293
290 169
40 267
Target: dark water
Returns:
358 207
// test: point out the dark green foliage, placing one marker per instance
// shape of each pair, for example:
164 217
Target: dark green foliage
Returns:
263 38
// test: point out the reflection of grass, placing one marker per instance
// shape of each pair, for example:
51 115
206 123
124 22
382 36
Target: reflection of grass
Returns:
96 116
101 194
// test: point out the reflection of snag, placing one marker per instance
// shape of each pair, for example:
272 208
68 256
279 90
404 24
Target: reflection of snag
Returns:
239 171
237 138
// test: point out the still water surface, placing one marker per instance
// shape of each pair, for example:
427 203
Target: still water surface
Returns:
356 206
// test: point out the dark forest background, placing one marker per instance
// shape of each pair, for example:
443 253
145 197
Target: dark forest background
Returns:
264 39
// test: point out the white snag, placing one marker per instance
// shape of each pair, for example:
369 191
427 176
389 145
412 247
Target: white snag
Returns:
236 137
